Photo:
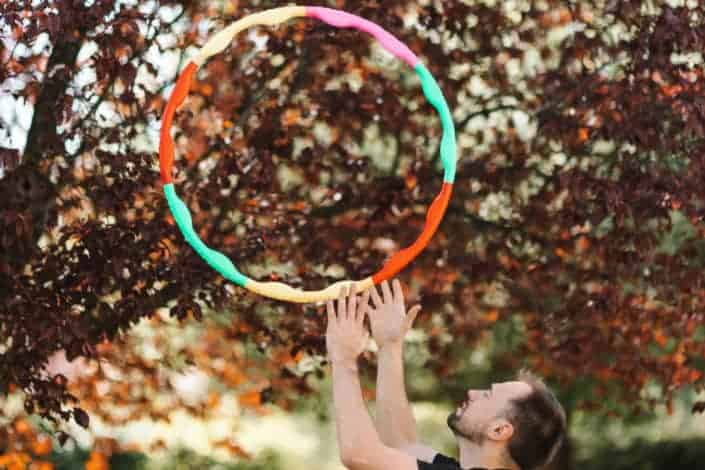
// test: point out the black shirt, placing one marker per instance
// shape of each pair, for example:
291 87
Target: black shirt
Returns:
440 462
443 462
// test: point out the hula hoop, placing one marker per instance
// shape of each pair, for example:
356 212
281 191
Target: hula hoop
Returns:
219 261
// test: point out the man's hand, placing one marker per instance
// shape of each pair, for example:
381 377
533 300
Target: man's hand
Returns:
346 336
388 319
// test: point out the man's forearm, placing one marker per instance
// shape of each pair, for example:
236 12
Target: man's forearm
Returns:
356 432
395 421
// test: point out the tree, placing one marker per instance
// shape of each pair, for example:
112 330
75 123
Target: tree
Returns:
577 212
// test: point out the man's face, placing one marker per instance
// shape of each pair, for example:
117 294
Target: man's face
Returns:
480 407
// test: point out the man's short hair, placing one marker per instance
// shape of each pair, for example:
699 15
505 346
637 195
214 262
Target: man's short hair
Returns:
539 425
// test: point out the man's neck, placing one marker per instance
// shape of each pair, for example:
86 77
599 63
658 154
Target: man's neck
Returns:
487 456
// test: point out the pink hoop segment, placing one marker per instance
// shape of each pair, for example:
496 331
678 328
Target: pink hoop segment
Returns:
342 19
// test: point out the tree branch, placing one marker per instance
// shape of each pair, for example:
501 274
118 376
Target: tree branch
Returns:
109 86
42 137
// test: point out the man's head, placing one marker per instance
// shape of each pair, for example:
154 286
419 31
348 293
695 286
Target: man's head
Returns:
523 415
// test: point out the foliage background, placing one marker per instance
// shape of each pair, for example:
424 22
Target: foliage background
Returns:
573 243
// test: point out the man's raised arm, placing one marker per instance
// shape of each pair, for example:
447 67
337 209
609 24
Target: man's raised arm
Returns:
395 421
359 445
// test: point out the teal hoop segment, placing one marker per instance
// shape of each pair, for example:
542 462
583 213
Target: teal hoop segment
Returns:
215 259
448 145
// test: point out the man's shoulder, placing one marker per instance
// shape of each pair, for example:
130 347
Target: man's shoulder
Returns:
440 462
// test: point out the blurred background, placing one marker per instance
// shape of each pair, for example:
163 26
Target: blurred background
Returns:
574 243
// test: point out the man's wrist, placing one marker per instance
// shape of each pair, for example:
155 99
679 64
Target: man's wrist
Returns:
392 345
344 363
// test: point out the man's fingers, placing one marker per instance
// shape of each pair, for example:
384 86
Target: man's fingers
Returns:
375 297
341 302
387 292
411 315
352 301
398 292
331 312
364 307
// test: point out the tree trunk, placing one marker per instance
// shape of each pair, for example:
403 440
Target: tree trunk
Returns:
26 194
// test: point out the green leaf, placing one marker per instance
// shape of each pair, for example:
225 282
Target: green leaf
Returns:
604 227
681 231
699 334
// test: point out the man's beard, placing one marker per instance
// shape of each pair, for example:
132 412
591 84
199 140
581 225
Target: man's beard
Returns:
475 436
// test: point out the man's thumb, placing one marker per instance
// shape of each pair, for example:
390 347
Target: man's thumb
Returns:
411 315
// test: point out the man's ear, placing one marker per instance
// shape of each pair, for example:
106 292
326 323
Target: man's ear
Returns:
500 430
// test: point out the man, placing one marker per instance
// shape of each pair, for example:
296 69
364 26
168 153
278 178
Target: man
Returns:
516 425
